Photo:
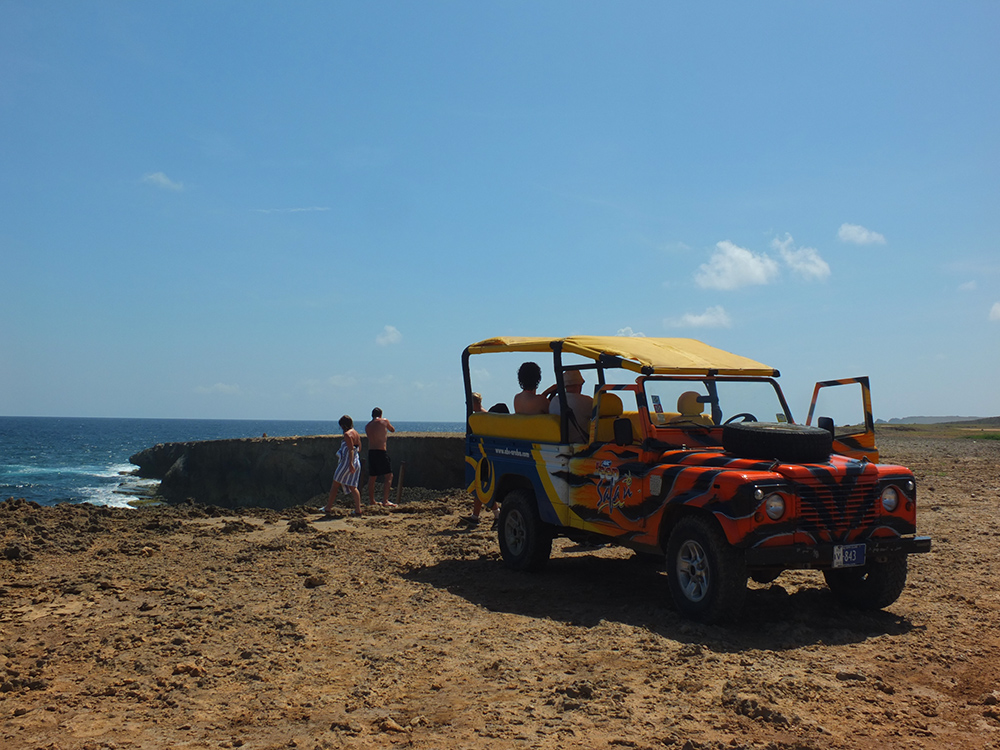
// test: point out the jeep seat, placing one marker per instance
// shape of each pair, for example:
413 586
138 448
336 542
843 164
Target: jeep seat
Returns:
610 407
540 428
691 409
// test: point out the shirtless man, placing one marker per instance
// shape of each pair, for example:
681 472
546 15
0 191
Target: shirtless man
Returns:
529 375
378 458
579 404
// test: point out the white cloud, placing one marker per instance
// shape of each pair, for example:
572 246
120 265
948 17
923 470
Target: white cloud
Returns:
733 266
316 387
968 286
858 235
627 331
804 261
342 381
160 180
224 389
995 311
389 335
313 387
713 317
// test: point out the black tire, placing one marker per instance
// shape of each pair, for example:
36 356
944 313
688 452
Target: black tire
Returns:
525 542
872 586
793 443
707 576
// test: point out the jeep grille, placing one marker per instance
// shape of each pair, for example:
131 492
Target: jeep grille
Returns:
851 503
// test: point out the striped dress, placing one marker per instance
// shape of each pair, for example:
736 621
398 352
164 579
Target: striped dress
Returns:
348 472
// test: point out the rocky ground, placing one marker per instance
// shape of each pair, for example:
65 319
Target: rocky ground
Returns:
187 628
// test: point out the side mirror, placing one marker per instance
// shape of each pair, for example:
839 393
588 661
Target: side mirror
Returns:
826 423
623 431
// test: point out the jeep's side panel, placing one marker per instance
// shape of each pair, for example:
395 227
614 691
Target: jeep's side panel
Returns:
495 466
616 492
605 489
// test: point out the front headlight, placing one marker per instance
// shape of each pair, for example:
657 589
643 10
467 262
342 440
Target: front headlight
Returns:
774 506
890 499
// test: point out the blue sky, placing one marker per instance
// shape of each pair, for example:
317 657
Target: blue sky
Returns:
296 210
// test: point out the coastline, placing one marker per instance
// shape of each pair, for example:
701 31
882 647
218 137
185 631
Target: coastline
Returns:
52 460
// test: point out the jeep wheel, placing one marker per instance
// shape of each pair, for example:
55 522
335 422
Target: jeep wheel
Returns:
525 542
793 443
873 586
707 577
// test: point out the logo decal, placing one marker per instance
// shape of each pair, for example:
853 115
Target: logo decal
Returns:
612 488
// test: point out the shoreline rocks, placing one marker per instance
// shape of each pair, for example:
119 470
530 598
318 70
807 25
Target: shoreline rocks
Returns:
288 471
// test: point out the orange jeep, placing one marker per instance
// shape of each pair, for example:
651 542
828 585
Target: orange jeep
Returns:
691 455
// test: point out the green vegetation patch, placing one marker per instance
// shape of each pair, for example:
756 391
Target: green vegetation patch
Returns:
983 436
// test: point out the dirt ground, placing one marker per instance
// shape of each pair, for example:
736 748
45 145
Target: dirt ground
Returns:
186 627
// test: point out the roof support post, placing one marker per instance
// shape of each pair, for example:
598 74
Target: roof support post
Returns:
561 392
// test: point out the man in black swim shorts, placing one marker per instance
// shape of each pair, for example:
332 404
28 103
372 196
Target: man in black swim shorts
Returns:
378 457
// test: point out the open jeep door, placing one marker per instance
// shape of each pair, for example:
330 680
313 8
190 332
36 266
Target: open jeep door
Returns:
846 416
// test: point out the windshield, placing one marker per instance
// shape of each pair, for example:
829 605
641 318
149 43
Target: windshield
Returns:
715 400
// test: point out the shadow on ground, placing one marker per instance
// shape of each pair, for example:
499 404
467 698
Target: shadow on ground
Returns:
584 589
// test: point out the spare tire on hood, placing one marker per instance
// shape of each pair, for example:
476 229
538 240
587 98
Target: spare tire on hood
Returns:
791 443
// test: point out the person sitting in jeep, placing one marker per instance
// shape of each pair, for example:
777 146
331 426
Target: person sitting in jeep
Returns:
579 404
529 375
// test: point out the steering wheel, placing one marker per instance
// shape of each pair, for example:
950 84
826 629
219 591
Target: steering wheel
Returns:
746 417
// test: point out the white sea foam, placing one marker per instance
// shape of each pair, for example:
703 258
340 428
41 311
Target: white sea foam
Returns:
119 495
118 470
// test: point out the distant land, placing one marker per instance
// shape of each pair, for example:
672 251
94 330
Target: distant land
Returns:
937 420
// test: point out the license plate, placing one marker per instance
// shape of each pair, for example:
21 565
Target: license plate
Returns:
848 555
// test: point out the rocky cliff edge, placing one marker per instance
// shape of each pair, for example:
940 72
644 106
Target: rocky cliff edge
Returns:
288 471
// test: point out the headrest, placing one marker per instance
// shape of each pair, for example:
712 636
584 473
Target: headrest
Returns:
611 405
688 404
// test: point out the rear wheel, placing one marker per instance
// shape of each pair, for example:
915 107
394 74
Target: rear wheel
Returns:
707 576
873 586
525 542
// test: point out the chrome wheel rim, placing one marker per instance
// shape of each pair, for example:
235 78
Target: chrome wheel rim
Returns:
693 574
516 533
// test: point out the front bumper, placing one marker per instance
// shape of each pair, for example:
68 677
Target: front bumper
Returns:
821 555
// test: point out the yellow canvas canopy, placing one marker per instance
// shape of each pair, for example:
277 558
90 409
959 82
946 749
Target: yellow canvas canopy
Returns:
667 356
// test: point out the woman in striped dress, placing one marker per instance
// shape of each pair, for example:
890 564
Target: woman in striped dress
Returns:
348 466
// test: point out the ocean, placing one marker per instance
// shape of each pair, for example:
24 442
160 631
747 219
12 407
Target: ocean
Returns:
52 460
